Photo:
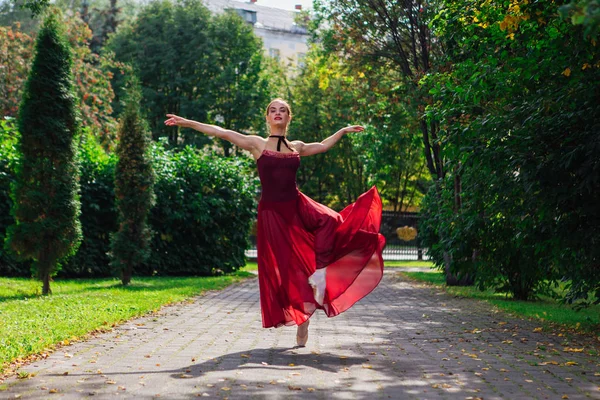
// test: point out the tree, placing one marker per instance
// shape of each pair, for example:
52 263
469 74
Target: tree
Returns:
171 51
134 188
518 106
195 64
239 88
395 35
92 78
45 194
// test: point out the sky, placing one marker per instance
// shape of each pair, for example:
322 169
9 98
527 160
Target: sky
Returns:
285 4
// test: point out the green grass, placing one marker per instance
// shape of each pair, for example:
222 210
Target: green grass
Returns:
545 309
396 264
31 323
250 266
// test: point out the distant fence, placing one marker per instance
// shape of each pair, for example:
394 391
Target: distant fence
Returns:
397 248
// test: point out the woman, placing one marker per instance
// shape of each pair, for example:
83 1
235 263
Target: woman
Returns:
309 256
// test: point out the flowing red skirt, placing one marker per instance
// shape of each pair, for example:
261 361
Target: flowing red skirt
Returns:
301 239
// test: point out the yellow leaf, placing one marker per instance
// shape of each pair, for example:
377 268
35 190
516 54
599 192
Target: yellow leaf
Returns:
572 350
571 363
586 66
539 329
565 396
567 72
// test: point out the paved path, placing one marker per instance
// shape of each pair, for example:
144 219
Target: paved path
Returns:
404 341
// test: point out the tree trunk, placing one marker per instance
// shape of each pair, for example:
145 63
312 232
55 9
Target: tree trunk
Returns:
44 266
126 274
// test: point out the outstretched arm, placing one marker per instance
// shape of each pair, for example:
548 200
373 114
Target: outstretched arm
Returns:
252 143
309 149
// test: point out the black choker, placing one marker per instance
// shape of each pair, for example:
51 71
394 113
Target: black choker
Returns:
280 139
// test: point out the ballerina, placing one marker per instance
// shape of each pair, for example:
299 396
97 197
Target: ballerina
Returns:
309 256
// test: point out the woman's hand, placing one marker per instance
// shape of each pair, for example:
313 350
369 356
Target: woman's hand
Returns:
174 120
354 128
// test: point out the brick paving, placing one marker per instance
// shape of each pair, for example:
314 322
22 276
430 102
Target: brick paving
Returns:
403 341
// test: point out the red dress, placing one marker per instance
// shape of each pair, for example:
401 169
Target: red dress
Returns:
299 240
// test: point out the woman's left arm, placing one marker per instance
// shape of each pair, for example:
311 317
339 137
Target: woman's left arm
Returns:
309 149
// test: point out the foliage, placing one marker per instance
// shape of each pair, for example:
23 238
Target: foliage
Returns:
204 207
584 12
91 76
327 95
518 108
16 50
98 211
134 182
45 193
9 156
239 88
193 64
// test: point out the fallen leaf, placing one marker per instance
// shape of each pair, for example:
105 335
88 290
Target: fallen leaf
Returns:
290 387
572 350
311 389
53 391
225 388
109 382
245 356
565 396
539 329
571 363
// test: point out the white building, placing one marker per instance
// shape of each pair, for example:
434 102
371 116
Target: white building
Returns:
282 38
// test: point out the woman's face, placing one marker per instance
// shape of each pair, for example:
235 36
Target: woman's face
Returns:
278 115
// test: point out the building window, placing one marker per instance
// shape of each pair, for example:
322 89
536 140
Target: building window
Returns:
274 53
247 15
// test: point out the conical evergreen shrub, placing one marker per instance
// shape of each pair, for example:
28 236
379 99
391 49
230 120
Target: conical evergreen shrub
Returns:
45 193
134 188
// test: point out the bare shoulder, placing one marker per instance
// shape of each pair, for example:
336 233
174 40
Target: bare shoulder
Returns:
298 145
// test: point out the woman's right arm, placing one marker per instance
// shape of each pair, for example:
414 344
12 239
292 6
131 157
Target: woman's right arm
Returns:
252 143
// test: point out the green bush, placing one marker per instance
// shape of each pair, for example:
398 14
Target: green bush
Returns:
9 155
201 219
204 207
98 213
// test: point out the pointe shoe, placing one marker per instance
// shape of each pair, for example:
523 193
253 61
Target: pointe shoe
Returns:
302 334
